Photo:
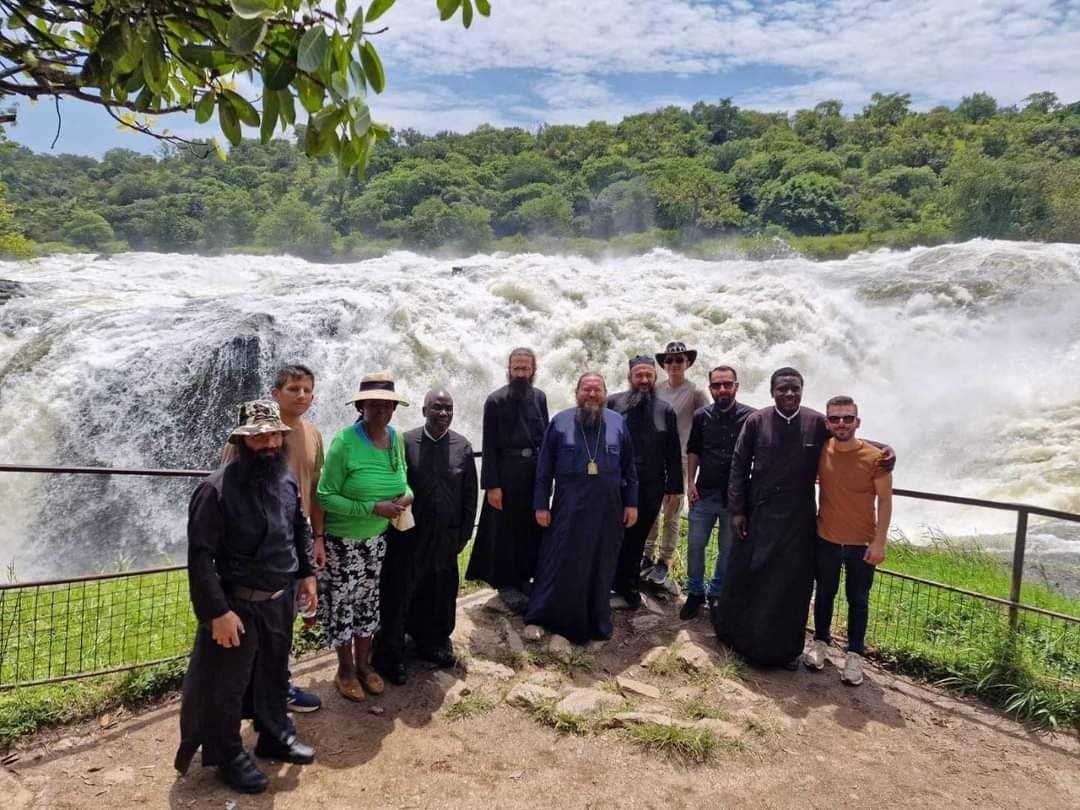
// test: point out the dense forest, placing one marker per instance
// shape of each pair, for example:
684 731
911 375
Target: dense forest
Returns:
714 177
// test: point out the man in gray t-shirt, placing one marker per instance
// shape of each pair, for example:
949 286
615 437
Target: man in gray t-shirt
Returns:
685 398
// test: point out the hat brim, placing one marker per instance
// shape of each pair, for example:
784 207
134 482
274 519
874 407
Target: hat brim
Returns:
389 396
691 356
258 430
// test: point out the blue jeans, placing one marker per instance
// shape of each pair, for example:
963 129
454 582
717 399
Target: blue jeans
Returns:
859 577
706 513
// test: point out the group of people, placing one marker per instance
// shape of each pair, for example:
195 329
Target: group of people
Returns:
366 538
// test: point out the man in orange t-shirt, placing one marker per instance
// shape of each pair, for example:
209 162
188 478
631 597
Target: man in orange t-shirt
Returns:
851 533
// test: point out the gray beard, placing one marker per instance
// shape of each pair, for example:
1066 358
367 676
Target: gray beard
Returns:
589 417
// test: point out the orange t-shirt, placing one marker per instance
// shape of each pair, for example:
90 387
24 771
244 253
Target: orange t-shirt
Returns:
846 514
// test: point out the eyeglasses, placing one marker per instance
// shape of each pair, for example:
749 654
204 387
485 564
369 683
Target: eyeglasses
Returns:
668 361
847 419
723 385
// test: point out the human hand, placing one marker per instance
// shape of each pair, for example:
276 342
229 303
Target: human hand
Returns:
226 629
875 553
739 527
320 552
692 493
888 458
494 498
629 516
307 597
543 517
405 499
388 509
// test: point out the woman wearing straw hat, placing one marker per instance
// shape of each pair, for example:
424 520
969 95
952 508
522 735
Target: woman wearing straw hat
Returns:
362 489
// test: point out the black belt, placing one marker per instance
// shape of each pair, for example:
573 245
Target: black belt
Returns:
252 594
524 452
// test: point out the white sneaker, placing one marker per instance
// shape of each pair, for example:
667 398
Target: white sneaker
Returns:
852 674
814 658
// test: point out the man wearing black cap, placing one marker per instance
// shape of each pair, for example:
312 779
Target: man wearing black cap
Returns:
654 433
685 398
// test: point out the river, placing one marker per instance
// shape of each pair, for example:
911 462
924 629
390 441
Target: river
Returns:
963 357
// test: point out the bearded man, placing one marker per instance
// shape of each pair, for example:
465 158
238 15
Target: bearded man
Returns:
654 432
508 539
248 543
588 454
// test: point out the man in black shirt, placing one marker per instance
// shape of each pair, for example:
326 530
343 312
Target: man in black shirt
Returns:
420 575
708 461
654 432
248 541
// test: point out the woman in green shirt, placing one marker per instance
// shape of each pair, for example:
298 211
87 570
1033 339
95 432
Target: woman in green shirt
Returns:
362 488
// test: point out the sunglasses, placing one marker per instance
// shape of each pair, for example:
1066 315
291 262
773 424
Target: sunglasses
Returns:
668 361
847 419
722 385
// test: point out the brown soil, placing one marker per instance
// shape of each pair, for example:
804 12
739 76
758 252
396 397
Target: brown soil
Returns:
888 743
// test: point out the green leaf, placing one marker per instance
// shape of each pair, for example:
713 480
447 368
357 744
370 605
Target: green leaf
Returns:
230 124
341 8
277 72
340 85
377 9
207 56
312 49
373 67
246 34
447 8
381 131
288 107
154 70
311 93
270 112
311 140
361 117
134 81
245 111
484 7
356 73
466 13
204 110
252 9
111 45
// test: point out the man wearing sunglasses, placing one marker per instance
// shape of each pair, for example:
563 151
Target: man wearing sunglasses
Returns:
851 533
685 398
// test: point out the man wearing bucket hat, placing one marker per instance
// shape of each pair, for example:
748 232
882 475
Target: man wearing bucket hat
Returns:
248 541
685 398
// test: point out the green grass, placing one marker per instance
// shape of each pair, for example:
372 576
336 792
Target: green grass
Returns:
473 704
693 745
701 709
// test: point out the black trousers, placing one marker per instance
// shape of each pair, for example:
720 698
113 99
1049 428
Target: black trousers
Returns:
225 685
628 569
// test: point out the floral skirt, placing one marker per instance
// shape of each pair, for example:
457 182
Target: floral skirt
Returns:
349 588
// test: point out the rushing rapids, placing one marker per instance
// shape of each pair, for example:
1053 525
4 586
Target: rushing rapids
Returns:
963 357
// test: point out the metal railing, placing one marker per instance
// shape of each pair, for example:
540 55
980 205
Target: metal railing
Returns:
70 628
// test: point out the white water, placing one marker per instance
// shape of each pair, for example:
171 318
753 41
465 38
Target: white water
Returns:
963 357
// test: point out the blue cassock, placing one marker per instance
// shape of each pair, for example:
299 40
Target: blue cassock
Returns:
580 549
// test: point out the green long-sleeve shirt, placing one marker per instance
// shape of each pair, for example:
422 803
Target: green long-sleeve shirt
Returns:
355 476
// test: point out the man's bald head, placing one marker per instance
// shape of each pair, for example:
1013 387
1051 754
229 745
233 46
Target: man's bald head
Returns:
438 411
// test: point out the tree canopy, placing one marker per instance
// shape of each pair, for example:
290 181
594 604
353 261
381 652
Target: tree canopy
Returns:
143 58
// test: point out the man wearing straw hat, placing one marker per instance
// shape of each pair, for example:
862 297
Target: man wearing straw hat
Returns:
248 541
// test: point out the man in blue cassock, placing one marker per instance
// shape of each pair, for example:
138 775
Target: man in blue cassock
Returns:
588 454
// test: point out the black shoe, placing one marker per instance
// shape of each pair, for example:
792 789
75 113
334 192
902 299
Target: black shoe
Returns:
242 775
646 564
691 606
395 673
442 657
793 664
515 600
633 599
288 750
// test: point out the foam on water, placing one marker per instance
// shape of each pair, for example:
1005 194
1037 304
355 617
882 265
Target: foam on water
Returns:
963 357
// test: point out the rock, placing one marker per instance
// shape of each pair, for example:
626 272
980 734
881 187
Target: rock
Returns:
736 690
644 622
560 648
585 702
683 637
637 687
530 695
686 693
490 669
496 605
653 606
672 587
533 632
619 603
376 710
721 728
596 645
18 796
652 708
456 692
640 718
486 643
652 655
546 677
512 639
693 657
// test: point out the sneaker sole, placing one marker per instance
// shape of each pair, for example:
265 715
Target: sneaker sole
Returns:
293 707
812 667
849 682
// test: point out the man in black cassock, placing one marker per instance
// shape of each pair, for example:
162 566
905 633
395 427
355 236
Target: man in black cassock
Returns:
508 539
248 541
420 574
654 432
765 600
588 454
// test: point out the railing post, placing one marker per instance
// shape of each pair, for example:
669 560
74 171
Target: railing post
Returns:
1019 547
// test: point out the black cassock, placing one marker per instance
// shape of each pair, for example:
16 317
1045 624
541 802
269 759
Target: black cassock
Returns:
243 533
654 432
572 592
420 574
508 540
766 595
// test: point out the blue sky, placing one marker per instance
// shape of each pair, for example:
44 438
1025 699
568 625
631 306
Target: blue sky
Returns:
567 61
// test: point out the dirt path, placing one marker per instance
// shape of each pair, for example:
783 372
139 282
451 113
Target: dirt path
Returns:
806 741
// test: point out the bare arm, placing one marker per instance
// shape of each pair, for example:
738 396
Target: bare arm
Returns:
875 553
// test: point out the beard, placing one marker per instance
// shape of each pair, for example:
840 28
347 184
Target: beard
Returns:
644 398
262 465
519 388
590 415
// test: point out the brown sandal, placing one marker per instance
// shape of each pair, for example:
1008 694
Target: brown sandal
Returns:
349 689
371 681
